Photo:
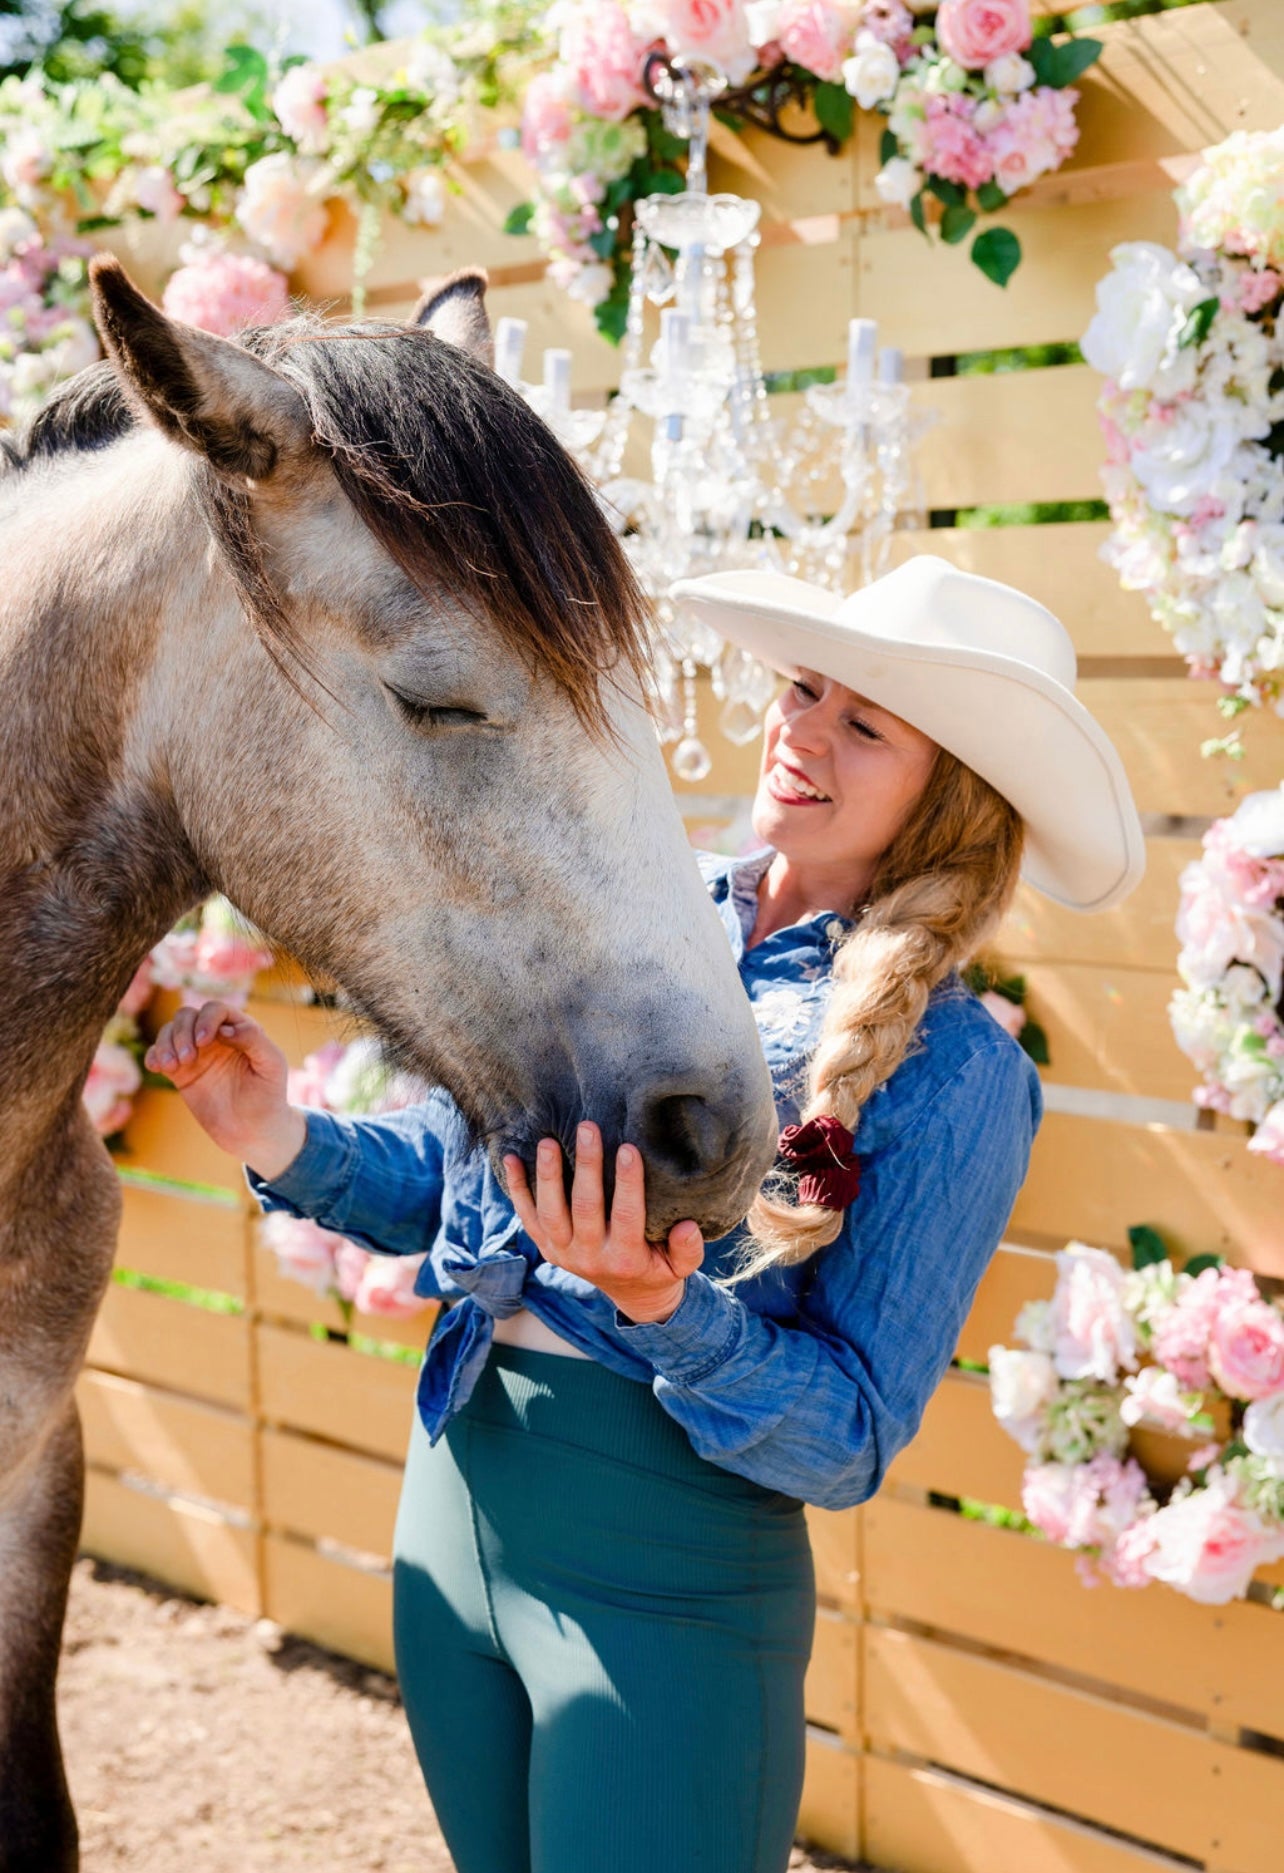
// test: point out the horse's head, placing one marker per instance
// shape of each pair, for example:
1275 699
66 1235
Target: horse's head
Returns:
409 742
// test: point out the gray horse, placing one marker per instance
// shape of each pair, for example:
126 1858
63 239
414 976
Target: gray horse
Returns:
324 619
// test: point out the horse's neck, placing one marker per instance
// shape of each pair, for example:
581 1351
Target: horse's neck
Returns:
93 863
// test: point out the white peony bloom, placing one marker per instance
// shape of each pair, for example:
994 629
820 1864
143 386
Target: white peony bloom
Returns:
762 17
1141 308
591 284
898 182
1022 1385
1263 1430
1258 823
1179 462
872 72
1009 74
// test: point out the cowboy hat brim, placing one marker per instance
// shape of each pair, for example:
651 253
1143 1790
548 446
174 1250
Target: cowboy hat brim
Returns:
1019 729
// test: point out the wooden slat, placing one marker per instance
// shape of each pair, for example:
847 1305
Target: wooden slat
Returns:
830 1813
1023 1596
1137 934
932 301
1092 1178
1015 1276
833 1677
163 1137
835 1546
315 1490
351 1398
1158 726
324 1600
1017 436
1109 1028
286 1299
183 1238
1095 1758
194 1448
184 1544
960 1449
1060 564
923 1821
170 1343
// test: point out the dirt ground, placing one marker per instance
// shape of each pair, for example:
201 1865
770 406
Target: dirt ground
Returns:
198 1741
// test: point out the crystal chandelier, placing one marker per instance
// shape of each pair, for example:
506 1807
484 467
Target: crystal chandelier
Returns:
729 485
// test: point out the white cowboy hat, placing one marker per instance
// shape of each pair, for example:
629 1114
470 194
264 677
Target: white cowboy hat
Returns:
986 672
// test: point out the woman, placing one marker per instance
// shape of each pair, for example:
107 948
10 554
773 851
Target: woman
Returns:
604 1599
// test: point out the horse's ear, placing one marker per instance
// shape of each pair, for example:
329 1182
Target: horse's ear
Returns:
204 392
455 309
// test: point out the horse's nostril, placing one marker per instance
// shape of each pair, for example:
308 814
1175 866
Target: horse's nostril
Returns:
683 1133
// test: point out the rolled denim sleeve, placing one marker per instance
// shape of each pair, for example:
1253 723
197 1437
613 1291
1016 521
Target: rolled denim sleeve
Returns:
378 1181
817 1406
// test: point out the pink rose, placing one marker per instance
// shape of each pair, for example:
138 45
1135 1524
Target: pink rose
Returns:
1093 1332
956 150
546 118
709 29
1246 1340
387 1287
139 992
1180 1339
1009 1015
603 61
304 1251
1208 1545
973 32
113 1080
818 35
306 1085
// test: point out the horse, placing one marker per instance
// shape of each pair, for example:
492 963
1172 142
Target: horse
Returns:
325 619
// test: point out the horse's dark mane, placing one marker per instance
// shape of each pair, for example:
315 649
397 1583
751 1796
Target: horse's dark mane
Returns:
448 467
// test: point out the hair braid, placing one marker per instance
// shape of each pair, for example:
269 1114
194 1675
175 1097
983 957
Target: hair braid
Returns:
940 888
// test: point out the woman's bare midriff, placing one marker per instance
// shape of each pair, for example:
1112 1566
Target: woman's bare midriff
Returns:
524 1329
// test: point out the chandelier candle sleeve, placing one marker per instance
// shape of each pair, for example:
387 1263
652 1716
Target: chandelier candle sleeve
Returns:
862 347
510 345
557 381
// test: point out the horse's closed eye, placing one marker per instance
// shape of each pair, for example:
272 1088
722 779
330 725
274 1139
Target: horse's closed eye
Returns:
427 715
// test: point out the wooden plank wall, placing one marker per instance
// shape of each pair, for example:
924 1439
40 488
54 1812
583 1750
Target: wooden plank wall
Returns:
973 1708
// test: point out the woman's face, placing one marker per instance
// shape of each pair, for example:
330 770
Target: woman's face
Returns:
839 775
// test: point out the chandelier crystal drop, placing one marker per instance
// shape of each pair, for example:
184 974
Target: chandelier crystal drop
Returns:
729 485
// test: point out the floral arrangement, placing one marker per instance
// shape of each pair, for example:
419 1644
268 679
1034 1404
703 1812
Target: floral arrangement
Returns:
1177 1352
45 332
1192 348
211 953
349 1079
976 106
1229 1016
1004 998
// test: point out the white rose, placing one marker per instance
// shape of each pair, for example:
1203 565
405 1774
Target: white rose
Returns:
1034 1325
1022 1385
1179 462
898 182
591 284
1009 73
1259 823
872 72
762 17
1264 1430
1141 307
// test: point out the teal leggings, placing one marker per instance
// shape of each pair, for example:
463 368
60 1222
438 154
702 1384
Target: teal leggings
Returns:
601 1638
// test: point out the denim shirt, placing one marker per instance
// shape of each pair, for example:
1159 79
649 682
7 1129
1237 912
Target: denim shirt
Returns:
806 1379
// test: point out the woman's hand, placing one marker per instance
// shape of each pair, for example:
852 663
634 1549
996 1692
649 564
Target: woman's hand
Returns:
646 1283
233 1079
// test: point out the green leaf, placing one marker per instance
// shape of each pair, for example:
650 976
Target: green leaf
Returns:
663 143
957 223
518 220
948 192
1011 988
1147 1245
998 254
991 196
1198 1263
611 317
1035 1042
603 243
1198 323
1060 65
245 76
834 108
917 216
888 146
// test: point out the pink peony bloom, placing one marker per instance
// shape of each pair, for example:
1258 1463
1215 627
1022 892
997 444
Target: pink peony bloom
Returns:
306 1085
974 32
818 35
1246 1339
892 22
1125 1563
709 29
387 1287
114 1078
1268 1139
1009 1015
139 992
1257 288
304 1251
1034 136
546 118
1155 1397
226 293
1084 1505
1208 1545
299 103
1093 1332
1180 1339
278 209
956 150
603 61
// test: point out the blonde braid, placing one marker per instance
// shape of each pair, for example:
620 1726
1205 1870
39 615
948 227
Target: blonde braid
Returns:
940 888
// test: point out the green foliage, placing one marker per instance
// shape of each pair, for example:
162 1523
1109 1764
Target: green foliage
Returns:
1034 1040
991 196
1198 1263
1015 358
1198 323
957 223
208 1299
245 75
998 254
1147 1246
518 220
1061 63
835 110
917 216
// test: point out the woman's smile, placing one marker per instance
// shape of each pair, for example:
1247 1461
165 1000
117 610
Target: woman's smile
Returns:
791 786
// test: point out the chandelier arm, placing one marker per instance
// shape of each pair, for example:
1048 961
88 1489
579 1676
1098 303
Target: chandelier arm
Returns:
759 103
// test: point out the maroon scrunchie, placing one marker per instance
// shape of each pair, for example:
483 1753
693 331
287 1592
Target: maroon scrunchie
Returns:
823 1150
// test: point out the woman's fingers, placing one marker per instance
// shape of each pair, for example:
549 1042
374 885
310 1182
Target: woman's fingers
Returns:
588 1202
550 1195
685 1249
628 1210
181 1040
